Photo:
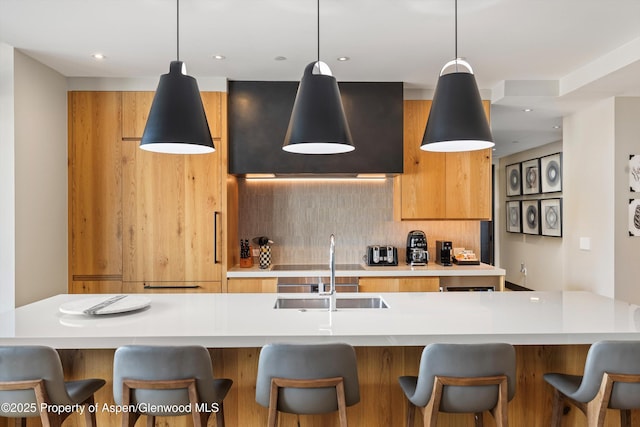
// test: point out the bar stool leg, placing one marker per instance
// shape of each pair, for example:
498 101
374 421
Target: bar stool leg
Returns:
479 420
625 418
411 413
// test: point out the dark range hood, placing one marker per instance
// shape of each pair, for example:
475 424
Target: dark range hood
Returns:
259 114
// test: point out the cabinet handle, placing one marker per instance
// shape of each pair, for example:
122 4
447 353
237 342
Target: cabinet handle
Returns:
215 237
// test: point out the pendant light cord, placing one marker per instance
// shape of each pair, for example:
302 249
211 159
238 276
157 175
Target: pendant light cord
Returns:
177 30
318 29
456 32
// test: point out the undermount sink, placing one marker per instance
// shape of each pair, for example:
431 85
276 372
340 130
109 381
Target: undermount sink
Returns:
323 303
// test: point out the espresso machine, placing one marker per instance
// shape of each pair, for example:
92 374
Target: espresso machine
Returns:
417 253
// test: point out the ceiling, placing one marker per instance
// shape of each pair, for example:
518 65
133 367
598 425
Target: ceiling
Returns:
552 56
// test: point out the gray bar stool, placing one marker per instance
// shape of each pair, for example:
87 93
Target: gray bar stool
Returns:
611 380
32 379
168 381
307 379
462 378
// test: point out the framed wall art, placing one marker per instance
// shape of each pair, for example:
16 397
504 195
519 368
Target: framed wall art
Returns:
634 217
530 217
634 172
551 217
514 217
531 176
551 173
514 180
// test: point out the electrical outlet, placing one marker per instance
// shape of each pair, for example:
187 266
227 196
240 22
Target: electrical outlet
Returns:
523 268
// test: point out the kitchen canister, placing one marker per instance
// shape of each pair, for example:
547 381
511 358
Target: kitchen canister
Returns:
264 256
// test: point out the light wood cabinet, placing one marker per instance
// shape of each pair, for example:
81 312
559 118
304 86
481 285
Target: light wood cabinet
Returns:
252 285
171 287
399 284
171 205
95 196
440 185
138 217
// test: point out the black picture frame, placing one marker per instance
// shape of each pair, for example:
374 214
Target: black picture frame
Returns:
513 178
551 217
514 216
531 177
531 216
551 173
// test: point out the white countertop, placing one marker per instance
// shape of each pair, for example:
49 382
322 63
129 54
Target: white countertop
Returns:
402 270
249 320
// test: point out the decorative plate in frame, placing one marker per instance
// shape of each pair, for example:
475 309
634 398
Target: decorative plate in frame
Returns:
551 173
531 176
514 217
634 172
514 180
634 217
551 217
530 217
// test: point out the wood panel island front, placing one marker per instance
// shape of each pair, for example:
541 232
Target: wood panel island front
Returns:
551 331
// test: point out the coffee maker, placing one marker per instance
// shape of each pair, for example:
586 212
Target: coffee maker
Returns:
444 252
417 253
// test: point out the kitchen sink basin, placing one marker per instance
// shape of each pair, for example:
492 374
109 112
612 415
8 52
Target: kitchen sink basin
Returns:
323 303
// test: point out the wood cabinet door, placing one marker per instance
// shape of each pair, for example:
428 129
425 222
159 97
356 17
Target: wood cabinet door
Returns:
440 185
95 193
269 285
172 206
399 284
422 185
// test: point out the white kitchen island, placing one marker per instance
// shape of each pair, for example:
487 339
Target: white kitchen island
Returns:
551 331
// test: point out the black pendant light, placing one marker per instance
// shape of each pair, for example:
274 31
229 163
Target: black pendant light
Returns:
457 121
318 124
177 123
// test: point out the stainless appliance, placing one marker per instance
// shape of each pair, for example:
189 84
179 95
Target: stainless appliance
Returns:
313 284
382 255
417 253
444 252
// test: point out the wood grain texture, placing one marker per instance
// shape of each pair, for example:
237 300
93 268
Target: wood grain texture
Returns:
171 287
440 185
399 284
96 287
172 231
252 285
95 200
382 401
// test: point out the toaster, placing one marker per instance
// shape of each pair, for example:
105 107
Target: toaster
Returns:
382 255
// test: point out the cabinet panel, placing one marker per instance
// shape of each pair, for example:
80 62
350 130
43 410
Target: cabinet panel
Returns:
136 107
172 211
399 284
252 285
95 197
440 185
99 287
171 287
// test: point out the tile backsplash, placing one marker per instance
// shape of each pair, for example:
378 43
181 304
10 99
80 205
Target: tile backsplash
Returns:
299 216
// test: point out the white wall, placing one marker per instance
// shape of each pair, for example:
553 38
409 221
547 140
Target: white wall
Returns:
41 222
7 180
589 147
627 248
542 255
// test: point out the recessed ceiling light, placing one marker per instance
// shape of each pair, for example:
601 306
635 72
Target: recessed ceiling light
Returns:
556 127
280 58
343 58
527 110
219 57
515 142
98 56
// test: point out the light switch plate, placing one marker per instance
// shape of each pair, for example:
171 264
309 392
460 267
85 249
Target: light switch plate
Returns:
585 243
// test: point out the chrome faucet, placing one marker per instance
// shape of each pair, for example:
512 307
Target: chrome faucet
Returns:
332 279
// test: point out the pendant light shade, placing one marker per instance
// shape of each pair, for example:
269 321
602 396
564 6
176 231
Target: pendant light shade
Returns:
177 122
457 121
318 124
